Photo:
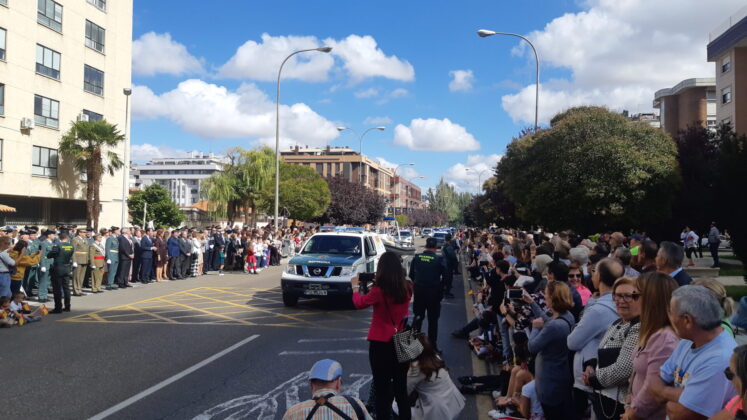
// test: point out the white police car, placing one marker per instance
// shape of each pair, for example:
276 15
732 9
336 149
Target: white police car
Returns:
327 262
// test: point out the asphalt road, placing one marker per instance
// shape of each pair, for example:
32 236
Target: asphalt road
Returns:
212 347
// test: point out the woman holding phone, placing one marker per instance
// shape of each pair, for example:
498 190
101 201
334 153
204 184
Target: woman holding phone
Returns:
390 297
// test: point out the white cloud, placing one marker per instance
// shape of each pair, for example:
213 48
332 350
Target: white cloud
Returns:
155 53
142 153
377 121
399 92
368 93
363 59
481 167
407 172
212 111
461 80
360 55
434 135
619 53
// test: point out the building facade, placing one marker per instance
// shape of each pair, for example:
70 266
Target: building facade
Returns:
405 196
728 50
60 61
689 102
345 162
181 176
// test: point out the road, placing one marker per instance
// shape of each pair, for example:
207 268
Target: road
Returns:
212 347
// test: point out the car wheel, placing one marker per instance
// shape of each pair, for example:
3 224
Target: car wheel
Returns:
290 299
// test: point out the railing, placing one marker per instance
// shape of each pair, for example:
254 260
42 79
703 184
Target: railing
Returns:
728 23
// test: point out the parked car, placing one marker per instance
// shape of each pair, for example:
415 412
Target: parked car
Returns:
426 233
725 242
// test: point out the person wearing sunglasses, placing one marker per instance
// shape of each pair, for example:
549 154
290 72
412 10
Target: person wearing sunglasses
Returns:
691 382
609 374
575 278
737 374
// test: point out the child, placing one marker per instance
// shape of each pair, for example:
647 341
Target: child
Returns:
251 260
21 312
6 321
259 253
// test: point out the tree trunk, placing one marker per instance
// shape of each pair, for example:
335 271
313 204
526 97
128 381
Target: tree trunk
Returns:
94 182
89 191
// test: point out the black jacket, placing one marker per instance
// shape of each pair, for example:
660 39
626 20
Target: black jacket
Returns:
184 246
125 248
427 269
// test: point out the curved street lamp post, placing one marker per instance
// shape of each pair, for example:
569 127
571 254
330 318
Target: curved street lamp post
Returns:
360 145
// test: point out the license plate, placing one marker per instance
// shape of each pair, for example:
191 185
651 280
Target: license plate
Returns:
315 292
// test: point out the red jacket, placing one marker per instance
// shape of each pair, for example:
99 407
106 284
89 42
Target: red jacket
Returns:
383 321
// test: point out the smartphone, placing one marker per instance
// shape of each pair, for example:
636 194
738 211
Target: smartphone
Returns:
365 280
515 294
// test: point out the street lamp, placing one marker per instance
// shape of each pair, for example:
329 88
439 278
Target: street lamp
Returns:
399 184
479 176
360 144
125 171
485 33
277 129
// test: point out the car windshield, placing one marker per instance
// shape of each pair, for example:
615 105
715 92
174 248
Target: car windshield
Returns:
329 244
404 233
439 235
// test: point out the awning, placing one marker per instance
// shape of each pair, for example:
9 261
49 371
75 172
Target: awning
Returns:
7 209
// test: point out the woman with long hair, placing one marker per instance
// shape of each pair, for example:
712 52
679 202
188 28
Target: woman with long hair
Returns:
437 396
390 298
161 254
656 342
737 374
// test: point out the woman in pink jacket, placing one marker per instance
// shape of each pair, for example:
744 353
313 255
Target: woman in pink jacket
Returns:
656 342
390 298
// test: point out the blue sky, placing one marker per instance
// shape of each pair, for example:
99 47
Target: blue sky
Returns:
204 72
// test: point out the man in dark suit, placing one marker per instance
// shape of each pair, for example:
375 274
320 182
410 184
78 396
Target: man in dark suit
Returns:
218 244
209 247
669 261
136 262
185 254
126 255
146 256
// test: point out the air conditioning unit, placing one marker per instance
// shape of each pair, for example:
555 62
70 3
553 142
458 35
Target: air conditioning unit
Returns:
27 124
82 117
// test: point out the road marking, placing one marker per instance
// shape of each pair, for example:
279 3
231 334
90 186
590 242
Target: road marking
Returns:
324 340
303 353
157 387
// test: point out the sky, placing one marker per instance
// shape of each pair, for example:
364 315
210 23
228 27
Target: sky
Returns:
204 73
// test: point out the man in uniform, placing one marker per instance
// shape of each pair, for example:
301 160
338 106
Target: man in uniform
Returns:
45 265
89 241
62 271
97 262
427 274
31 276
80 261
112 258
450 257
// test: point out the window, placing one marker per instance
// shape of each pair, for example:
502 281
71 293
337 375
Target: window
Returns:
2 44
94 36
47 62
44 162
1 154
93 80
4 2
46 112
2 99
726 64
92 116
726 95
49 14
726 121
101 4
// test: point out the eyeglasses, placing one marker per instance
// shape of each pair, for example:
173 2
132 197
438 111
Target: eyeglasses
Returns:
626 297
728 373
575 276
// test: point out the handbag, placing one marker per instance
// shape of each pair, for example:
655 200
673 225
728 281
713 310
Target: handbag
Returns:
407 346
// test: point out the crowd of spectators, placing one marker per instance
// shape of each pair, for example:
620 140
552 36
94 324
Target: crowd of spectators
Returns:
610 328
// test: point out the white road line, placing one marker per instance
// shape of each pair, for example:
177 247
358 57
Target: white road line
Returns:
301 353
324 340
171 380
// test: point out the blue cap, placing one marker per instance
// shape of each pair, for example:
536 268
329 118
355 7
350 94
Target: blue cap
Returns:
325 370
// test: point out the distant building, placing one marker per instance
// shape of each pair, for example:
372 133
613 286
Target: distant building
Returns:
728 49
181 176
405 196
645 117
689 102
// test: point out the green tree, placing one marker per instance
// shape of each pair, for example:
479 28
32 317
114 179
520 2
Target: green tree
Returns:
304 194
444 199
237 190
592 170
732 179
352 203
161 208
89 145
402 220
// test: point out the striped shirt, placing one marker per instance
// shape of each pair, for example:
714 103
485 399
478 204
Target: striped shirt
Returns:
301 410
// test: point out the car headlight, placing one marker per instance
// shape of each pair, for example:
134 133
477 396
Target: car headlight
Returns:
349 271
290 268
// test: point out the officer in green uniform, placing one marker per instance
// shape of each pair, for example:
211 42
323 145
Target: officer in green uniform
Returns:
31 276
62 272
89 269
112 258
80 261
427 272
45 265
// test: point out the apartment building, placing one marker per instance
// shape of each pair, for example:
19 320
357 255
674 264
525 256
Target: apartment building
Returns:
181 176
689 102
728 50
60 61
405 196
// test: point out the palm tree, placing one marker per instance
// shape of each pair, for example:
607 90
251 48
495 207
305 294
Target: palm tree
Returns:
87 142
